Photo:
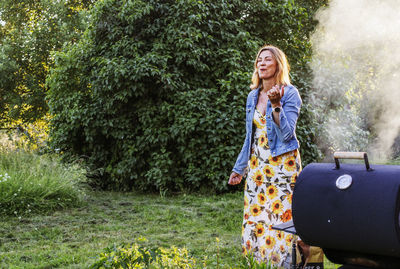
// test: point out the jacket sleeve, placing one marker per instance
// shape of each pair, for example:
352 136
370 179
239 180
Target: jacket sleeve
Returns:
241 161
288 115
243 158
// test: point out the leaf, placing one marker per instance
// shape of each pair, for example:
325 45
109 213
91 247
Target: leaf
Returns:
153 91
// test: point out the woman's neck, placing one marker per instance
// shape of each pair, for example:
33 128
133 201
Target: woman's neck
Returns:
267 84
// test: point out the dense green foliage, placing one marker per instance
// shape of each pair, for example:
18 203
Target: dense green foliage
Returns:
29 31
35 184
153 95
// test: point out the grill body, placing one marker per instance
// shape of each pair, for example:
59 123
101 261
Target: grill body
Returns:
364 218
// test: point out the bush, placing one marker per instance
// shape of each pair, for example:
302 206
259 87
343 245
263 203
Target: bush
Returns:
30 137
30 183
153 95
136 256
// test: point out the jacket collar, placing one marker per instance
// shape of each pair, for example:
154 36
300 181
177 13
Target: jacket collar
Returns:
256 93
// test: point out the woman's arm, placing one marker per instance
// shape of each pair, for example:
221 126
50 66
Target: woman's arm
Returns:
285 122
274 96
243 158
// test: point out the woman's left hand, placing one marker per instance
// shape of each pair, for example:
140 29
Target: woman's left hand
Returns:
275 94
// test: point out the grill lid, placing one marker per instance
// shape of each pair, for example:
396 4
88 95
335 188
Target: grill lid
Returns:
350 208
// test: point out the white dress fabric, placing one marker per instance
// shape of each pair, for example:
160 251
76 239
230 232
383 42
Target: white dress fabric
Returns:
268 199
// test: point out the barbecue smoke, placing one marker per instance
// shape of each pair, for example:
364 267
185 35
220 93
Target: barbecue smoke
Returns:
356 67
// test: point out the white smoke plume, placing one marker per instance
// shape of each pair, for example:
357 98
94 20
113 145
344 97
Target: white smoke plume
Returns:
356 66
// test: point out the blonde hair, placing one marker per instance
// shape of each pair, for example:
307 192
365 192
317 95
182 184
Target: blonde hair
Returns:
282 67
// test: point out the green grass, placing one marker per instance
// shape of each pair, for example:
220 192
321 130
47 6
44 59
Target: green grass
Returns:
69 238
31 183
72 238
33 234
37 236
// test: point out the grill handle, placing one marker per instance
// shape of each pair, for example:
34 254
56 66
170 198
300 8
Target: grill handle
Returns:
351 155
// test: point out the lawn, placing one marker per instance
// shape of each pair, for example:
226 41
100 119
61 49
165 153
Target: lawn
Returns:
73 238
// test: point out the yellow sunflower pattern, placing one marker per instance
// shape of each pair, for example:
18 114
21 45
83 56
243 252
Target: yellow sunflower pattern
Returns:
268 198
262 140
253 162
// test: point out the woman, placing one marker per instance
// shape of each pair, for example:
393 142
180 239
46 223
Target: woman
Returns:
270 151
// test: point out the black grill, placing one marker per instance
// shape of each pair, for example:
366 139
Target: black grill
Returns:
351 211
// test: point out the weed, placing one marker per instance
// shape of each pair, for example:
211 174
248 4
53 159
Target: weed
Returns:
30 183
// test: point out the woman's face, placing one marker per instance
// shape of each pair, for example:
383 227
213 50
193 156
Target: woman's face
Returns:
266 65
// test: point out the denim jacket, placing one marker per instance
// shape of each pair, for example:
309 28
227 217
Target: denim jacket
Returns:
281 139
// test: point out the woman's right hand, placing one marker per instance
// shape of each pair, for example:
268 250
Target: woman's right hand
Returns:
275 95
235 178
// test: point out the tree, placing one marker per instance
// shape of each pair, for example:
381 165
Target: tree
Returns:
153 95
30 31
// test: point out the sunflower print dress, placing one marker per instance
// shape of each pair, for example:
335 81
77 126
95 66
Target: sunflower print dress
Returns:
268 198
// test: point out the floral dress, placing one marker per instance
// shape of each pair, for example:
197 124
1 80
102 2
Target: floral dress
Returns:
268 199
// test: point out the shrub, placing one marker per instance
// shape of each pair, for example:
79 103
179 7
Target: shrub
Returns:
136 256
26 136
153 95
30 183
